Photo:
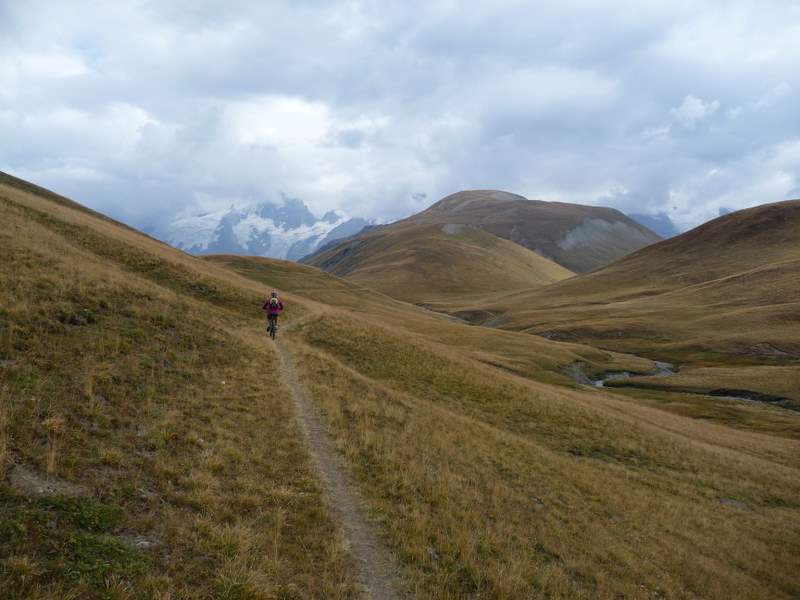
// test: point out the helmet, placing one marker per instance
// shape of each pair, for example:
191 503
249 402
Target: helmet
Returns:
274 294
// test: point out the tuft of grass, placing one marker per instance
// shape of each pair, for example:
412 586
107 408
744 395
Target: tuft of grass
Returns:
66 541
96 559
55 432
85 513
4 434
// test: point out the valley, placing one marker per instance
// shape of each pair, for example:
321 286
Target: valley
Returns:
138 381
720 300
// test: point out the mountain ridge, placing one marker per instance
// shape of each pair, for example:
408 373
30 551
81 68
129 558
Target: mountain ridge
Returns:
288 230
580 238
420 263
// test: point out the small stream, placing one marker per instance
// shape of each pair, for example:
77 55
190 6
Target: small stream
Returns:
663 369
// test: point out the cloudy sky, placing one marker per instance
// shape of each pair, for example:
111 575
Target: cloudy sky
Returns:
147 110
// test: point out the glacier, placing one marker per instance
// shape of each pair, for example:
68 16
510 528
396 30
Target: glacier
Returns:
288 230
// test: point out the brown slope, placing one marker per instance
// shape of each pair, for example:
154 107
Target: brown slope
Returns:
483 242
727 292
580 238
424 262
132 377
456 455
487 481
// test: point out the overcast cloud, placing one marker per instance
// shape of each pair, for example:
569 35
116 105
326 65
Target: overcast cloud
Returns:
147 110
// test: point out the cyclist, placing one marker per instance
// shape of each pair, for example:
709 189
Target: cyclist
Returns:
274 306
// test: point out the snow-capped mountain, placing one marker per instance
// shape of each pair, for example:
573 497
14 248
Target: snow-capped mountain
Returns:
287 231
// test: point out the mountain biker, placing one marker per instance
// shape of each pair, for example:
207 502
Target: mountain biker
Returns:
274 306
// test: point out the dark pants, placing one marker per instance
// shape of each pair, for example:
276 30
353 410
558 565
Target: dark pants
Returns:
272 320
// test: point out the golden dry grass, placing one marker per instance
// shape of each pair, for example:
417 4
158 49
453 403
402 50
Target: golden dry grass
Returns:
739 414
140 376
426 263
491 473
499 488
4 434
55 430
492 482
521 354
778 381
722 296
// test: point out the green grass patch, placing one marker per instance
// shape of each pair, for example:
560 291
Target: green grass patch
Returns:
57 538
631 457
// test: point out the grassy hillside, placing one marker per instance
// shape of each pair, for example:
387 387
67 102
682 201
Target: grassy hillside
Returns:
429 262
147 446
494 479
141 378
579 238
520 354
726 293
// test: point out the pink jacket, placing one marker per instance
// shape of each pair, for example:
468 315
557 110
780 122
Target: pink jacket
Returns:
273 310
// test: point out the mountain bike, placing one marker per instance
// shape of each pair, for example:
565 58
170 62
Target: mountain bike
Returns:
272 326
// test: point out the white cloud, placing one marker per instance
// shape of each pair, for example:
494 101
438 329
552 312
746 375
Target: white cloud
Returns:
50 65
149 109
693 110
277 121
766 175
773 96
114 130
656 133
18 70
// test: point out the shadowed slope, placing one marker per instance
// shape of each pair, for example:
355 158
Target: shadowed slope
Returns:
420 263
579 238
727 291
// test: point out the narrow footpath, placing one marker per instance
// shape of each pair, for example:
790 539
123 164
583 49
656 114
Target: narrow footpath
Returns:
376 566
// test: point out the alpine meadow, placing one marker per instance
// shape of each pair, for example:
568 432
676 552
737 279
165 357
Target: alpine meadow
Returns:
358 300
150 446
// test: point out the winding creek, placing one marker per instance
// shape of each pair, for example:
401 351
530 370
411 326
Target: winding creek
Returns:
666 369
663 369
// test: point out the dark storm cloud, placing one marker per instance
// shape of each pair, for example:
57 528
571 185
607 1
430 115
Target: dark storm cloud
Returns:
149 109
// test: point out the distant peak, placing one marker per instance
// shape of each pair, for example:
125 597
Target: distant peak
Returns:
465 198
292 213
332 216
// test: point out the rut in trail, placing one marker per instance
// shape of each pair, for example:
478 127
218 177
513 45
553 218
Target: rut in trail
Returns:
377 568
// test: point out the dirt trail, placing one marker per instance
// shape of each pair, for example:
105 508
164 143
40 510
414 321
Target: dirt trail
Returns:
377 568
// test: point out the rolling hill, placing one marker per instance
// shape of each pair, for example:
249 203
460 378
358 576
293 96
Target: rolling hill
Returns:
150 443
579 238
457 442
135 456
725 292
421 263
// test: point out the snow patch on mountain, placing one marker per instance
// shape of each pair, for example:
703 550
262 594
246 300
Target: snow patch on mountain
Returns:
288 230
